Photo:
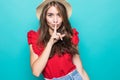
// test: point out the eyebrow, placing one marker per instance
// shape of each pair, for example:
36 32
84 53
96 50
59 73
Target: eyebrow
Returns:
52 13
49 13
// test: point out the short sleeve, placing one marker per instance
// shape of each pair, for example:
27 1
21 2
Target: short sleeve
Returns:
32 39
75 38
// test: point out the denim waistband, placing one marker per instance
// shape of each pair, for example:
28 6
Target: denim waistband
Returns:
67 76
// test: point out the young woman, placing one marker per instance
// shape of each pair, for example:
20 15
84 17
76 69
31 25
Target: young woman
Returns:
53 47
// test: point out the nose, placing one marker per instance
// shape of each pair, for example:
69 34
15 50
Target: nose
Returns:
55 20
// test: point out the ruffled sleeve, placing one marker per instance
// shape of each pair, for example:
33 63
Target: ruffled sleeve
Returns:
32 39
75 38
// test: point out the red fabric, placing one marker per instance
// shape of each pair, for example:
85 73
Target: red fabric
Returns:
75 38
56 66
32 39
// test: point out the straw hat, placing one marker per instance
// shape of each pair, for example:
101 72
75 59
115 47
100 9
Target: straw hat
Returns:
64 2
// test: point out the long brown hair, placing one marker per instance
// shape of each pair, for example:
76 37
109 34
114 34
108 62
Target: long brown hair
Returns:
59 47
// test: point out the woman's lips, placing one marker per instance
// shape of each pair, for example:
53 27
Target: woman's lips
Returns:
55 25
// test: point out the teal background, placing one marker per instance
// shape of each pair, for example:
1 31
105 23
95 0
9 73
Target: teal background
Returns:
98 23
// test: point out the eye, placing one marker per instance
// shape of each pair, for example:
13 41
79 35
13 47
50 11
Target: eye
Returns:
59 14
50 15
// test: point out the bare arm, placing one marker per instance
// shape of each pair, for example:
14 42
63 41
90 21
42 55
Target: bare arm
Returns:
38 62
78 64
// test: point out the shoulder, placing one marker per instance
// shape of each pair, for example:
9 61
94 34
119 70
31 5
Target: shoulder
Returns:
75 37
32 32
75 32
32 39
32 36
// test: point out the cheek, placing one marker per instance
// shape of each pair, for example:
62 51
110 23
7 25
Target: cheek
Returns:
60 20
49 20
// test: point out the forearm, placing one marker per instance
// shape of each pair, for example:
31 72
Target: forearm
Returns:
39 64
78 64
84 75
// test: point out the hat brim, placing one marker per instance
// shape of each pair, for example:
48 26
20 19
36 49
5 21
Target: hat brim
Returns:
64 2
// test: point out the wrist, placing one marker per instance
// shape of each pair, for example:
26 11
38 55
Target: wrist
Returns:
51 42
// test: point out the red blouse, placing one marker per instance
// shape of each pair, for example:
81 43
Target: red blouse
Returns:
56 66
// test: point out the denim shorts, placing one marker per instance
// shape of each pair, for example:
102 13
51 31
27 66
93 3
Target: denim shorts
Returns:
74 75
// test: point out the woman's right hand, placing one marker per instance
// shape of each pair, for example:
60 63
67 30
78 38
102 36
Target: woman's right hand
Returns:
56 36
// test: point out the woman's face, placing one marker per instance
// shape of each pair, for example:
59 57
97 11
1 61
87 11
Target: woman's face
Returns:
53 17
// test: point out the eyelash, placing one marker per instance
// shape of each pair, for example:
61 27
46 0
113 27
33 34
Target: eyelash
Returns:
52 15
59 15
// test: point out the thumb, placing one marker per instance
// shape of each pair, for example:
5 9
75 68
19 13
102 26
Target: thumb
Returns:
63 35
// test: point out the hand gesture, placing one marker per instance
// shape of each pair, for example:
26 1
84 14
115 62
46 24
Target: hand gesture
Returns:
56 36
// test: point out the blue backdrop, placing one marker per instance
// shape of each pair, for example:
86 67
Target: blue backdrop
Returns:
98 23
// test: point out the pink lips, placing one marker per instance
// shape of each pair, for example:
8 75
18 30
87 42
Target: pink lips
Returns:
56 25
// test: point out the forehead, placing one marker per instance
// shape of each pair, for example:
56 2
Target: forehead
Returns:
53 9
